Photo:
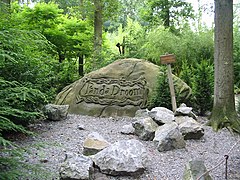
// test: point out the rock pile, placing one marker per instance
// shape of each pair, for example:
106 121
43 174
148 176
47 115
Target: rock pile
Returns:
166 129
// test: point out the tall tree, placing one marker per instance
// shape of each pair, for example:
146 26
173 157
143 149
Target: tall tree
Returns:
168 12
224 112
98 25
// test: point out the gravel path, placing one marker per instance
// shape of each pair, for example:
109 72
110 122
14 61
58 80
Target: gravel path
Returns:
54 139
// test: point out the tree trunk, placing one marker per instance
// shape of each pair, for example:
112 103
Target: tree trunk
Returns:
167 15
61 57
98 23
224 112
80 65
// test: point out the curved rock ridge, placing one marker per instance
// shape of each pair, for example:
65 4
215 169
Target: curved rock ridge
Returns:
119 89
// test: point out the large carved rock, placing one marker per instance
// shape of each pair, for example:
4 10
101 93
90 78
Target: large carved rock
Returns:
126 157
119 89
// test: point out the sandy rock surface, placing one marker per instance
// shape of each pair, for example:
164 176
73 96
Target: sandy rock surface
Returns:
55 139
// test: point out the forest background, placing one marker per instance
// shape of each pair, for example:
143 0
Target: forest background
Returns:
49 45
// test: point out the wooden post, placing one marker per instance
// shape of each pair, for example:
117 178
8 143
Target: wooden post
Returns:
168 59
171 86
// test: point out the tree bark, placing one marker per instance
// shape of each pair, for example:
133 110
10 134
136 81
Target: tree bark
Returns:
167 15
224 112
98 24
80 65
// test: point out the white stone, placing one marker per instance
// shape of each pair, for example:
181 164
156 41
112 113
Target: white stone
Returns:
76 166
126 157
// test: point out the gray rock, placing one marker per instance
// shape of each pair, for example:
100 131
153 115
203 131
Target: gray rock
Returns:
183 105
94 143
194 169
193 115
56 112
142 113
145 128
161 115
191 129
126 157
128 129
76 166
181 119
168 137
185 111
81 127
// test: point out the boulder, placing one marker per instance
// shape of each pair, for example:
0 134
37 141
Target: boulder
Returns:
56 112
94 143
142 113
183 111
191 129
181 119
128 129
119 89
194 169
145 128
126 157
161 115
76 166
168 137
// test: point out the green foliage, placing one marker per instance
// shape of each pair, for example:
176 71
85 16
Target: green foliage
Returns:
186 73
132 37
13 165
236 57
71 36
161 94
19 104
189 47
168 13
27 57
158 42
203 86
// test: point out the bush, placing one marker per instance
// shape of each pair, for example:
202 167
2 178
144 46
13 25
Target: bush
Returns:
13 165
161 95
186 73
18 103
203 87
19 106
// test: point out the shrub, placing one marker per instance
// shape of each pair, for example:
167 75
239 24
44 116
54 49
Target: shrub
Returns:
18 103
203 87
186 73
13 165
161 95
